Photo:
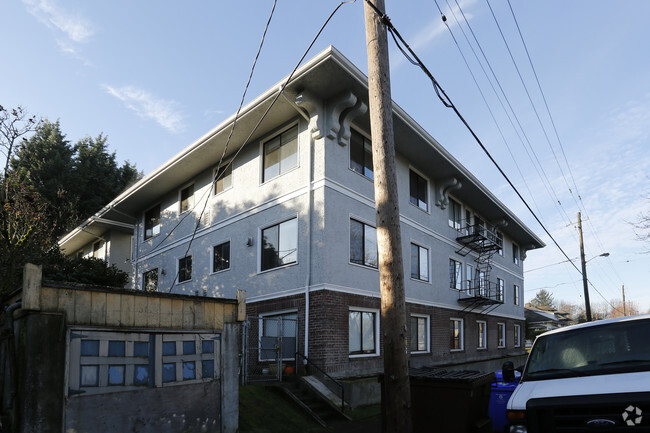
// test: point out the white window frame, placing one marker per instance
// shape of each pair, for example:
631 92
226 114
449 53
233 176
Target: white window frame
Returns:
517 294
100 252
501 335
376 333
129 361
427 192
365 224
178 269
212 270
364 137
481 336
260 250
155 230
501 289
192 198
516 259
461 336
499 235
144 279
455 224
229 166
272 136
458 276
517 335
427 328
428 262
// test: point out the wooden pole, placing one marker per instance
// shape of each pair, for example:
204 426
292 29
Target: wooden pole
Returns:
396 398
585 282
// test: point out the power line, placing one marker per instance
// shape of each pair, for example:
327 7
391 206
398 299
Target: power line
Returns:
557 136
534 158
266 112
413 58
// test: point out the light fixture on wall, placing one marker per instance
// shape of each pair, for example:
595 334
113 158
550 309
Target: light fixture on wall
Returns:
249 242
163 273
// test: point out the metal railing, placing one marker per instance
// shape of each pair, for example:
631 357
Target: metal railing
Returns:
332 384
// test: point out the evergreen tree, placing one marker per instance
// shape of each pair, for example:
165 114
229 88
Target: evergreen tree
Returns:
543 299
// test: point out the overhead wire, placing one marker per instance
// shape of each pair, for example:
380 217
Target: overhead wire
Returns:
594 232
496 123
529 149
444 98
266 112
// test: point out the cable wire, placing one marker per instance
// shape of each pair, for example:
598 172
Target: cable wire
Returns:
268 109
448 103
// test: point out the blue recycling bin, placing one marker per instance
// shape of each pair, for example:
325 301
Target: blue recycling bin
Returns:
499 396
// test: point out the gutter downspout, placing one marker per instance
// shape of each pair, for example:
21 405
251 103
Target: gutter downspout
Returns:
312 143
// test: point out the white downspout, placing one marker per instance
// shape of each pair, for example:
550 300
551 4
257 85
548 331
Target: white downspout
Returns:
310 169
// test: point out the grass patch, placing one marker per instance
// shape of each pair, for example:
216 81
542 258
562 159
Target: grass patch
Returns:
264 409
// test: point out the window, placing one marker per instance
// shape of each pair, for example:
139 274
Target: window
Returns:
481 329
455 216
501 287
185 269
419 263
150 280
280 244
469 277
221 257
187 198
98 249
501 335
280 154
152 222
102 361
363 244
418 190
455 274
517 336
500 243
515 254
278 330
363 331
456 334
223 178
361 155
516 294
419 334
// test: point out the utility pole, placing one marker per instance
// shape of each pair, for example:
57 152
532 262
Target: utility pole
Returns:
396 398
584 271
624 310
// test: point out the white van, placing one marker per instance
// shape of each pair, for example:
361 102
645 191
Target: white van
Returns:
592 377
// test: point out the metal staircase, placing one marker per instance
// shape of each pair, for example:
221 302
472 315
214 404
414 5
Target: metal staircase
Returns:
480 238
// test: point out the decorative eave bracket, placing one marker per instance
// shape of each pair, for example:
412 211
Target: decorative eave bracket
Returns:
443 188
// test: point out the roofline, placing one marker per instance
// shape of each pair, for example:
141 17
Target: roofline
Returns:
356 73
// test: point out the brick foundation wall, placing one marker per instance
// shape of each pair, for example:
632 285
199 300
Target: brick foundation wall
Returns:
328 333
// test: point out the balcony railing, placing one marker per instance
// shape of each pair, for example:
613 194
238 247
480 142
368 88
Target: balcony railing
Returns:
483 292
479 236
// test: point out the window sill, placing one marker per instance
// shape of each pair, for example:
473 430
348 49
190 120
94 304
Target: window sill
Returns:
427 352
288 265
222 271
420 281
456 350
363 355
364 266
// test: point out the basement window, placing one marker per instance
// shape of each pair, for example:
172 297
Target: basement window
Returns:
103 362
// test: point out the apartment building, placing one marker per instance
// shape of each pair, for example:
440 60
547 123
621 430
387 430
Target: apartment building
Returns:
285 211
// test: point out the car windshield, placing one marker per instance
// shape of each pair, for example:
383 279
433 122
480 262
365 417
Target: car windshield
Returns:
613 348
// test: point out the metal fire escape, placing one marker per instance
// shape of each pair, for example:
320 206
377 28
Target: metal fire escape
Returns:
478 291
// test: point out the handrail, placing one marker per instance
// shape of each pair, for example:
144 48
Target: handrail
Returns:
338 384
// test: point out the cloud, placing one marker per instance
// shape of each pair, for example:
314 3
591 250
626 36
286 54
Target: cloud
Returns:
434 28
148 106
74 28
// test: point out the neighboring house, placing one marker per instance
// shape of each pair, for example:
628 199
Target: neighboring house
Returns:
291 220
545 319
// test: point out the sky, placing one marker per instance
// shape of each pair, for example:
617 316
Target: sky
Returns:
153 76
